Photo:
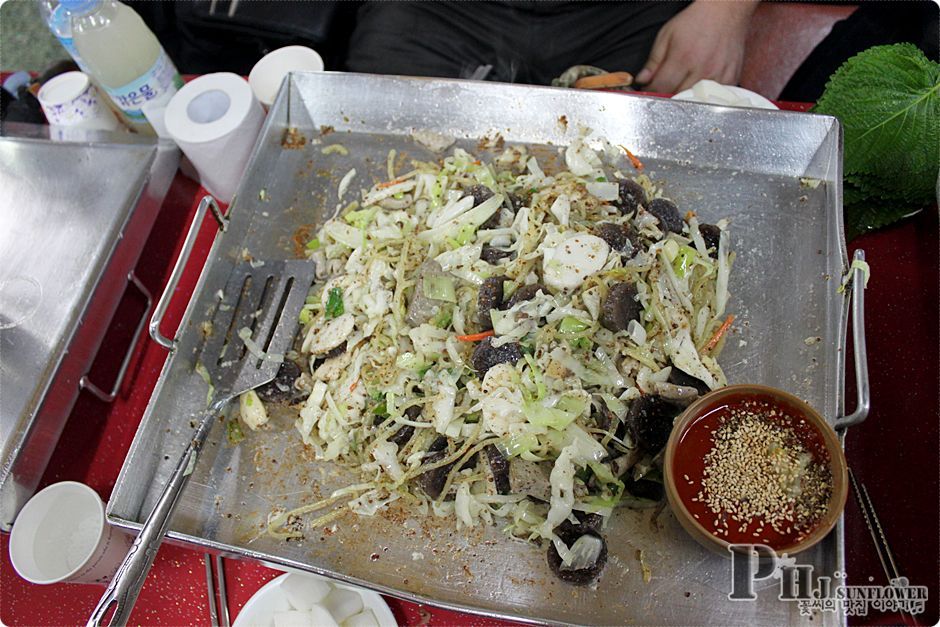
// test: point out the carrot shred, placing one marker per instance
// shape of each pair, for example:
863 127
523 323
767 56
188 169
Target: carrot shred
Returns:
476 337
713 342
612 80
355 384
390 183
637 164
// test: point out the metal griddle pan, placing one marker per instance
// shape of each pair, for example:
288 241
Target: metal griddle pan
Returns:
742 164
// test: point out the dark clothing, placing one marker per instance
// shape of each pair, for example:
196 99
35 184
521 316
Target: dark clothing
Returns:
524 42
200 35
871 24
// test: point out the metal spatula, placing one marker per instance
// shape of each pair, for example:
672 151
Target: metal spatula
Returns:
266 299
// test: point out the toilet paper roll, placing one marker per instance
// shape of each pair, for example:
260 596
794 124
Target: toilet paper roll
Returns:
215 119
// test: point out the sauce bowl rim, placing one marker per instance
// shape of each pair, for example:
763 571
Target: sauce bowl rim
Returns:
837 464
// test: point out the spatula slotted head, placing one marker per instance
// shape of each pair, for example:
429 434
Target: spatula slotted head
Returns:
266 300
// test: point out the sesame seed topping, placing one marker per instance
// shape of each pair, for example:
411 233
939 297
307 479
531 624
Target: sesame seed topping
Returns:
759 471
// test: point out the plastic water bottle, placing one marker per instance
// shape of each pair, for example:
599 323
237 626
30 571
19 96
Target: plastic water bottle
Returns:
59 21
125 58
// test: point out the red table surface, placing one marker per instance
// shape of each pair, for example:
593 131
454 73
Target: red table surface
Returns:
894 452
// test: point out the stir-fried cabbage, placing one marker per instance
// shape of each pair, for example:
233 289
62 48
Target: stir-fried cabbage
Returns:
400 309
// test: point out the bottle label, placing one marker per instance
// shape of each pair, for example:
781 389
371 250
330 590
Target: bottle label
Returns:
159 83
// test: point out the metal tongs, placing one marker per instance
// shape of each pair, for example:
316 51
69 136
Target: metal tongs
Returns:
267 299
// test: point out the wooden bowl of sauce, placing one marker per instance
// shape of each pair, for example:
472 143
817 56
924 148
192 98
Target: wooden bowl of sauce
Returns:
750 464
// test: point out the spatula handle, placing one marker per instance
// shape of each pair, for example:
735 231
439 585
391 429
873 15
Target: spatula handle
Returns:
129 579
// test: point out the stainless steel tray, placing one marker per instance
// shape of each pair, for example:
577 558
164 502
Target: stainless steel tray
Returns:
742 164
75 216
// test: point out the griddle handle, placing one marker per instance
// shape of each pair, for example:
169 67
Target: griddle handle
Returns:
85 382
207 202
125 586
863 399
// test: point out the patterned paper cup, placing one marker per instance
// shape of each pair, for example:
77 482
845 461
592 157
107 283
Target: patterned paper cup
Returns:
71 100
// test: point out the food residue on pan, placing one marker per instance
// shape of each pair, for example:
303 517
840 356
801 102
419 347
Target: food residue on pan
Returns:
338 149
493 141
647 572
293 139
300 240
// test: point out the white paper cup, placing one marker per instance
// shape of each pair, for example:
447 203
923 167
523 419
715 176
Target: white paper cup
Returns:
70 100
266 76
61 535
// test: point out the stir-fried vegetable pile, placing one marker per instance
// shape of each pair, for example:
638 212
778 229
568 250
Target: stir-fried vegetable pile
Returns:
496 343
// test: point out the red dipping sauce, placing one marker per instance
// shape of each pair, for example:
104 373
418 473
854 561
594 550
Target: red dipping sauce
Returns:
697 449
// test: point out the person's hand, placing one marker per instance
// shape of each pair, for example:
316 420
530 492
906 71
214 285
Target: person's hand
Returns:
704 40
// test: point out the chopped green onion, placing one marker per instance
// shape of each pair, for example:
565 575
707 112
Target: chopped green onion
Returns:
313 244
683 261
465 235
334 303
234 432
581 342
536 377
410 361
361 218
571 326
443 318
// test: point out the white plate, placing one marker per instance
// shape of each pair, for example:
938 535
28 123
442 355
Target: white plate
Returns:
710 92
260 608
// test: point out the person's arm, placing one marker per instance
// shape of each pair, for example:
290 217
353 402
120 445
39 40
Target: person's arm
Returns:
704 40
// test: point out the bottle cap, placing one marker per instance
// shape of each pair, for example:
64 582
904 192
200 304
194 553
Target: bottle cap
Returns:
78 6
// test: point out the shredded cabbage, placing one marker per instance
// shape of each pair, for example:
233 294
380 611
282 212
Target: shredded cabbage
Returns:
252 410
245 334
392 373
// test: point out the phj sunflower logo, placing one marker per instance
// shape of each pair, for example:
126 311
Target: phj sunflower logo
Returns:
751 563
